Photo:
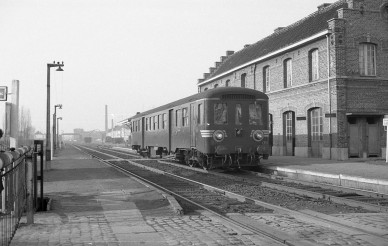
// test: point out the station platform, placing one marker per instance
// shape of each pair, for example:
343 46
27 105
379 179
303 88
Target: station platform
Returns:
367 174
94 204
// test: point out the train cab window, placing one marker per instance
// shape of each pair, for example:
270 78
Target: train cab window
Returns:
255 114
185 117
220 114
200 114
238 116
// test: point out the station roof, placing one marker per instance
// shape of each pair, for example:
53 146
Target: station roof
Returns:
300 30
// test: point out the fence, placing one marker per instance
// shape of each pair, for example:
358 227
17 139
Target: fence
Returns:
13 188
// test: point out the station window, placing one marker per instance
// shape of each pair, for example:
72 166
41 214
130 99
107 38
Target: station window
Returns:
266 79
255 114
287 73
185 117
367 59
220 113
243 76
238 116
314 65
316 124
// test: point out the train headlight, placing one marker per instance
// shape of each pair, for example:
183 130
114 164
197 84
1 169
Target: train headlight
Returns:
218 135
258 135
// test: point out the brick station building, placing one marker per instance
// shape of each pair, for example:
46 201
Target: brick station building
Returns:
326 77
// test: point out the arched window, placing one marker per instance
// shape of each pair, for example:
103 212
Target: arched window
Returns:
266 83
367 59
216 85
243 76
287 73
313 65
205 89
227 83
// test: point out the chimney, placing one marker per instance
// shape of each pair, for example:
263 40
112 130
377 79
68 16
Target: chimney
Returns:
137 112
206 75
217 64
323 6
212 69
229 52
247 45
278 29
223 58
200 81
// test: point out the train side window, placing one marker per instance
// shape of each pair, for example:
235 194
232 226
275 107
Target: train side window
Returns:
147 122
185 117
255 114
220 113
200 114
238 116
177 113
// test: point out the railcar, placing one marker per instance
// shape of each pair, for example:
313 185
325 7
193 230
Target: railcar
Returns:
221 127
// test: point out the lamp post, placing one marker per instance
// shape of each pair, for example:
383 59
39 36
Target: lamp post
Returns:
57 144
48 137
54 124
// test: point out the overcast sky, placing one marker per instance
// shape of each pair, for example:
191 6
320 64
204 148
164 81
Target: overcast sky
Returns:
131 55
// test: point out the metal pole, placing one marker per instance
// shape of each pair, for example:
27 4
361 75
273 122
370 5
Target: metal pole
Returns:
48 137
30 191
54 128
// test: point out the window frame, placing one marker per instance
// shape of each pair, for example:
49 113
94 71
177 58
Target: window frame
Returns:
316 119
314 65
287 72
365 59
185 117
266 79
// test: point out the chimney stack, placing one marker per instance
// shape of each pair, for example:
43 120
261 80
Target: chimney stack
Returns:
229 52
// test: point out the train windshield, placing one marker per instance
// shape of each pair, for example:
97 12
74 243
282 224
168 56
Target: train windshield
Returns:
220 113
255 114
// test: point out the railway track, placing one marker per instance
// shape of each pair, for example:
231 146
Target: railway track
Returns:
237 200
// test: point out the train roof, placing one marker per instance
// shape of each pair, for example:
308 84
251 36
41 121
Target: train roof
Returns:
211 93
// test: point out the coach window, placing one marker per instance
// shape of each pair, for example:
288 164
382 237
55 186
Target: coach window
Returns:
200 114
367 59
238 115
164 121
147 124
185 117
287 73
177 113
313 65
255 114
220 114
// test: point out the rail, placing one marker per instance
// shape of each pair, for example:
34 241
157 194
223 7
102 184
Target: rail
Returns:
13 190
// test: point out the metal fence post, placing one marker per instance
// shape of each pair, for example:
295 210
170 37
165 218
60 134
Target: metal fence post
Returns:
30 190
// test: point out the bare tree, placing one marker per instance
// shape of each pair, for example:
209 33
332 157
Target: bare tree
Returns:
26 130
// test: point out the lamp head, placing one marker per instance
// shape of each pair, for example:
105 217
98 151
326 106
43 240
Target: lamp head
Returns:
59 69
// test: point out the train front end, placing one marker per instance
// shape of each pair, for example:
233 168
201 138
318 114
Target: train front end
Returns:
237 129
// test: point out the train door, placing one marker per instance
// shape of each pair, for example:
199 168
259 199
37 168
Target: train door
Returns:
193 125
289 132
142 132
170 122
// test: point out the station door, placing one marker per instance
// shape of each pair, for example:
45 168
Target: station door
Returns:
364 137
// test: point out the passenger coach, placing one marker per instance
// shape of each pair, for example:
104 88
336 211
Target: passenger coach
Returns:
220 127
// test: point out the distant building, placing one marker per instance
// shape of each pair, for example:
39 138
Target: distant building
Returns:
326 77
39 136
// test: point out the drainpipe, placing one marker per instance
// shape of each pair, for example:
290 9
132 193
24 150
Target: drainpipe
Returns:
328 91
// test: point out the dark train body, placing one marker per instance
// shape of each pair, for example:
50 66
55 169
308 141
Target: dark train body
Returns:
219 127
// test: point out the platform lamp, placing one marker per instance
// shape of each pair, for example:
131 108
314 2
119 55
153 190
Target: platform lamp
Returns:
57 144
48 140
54 125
